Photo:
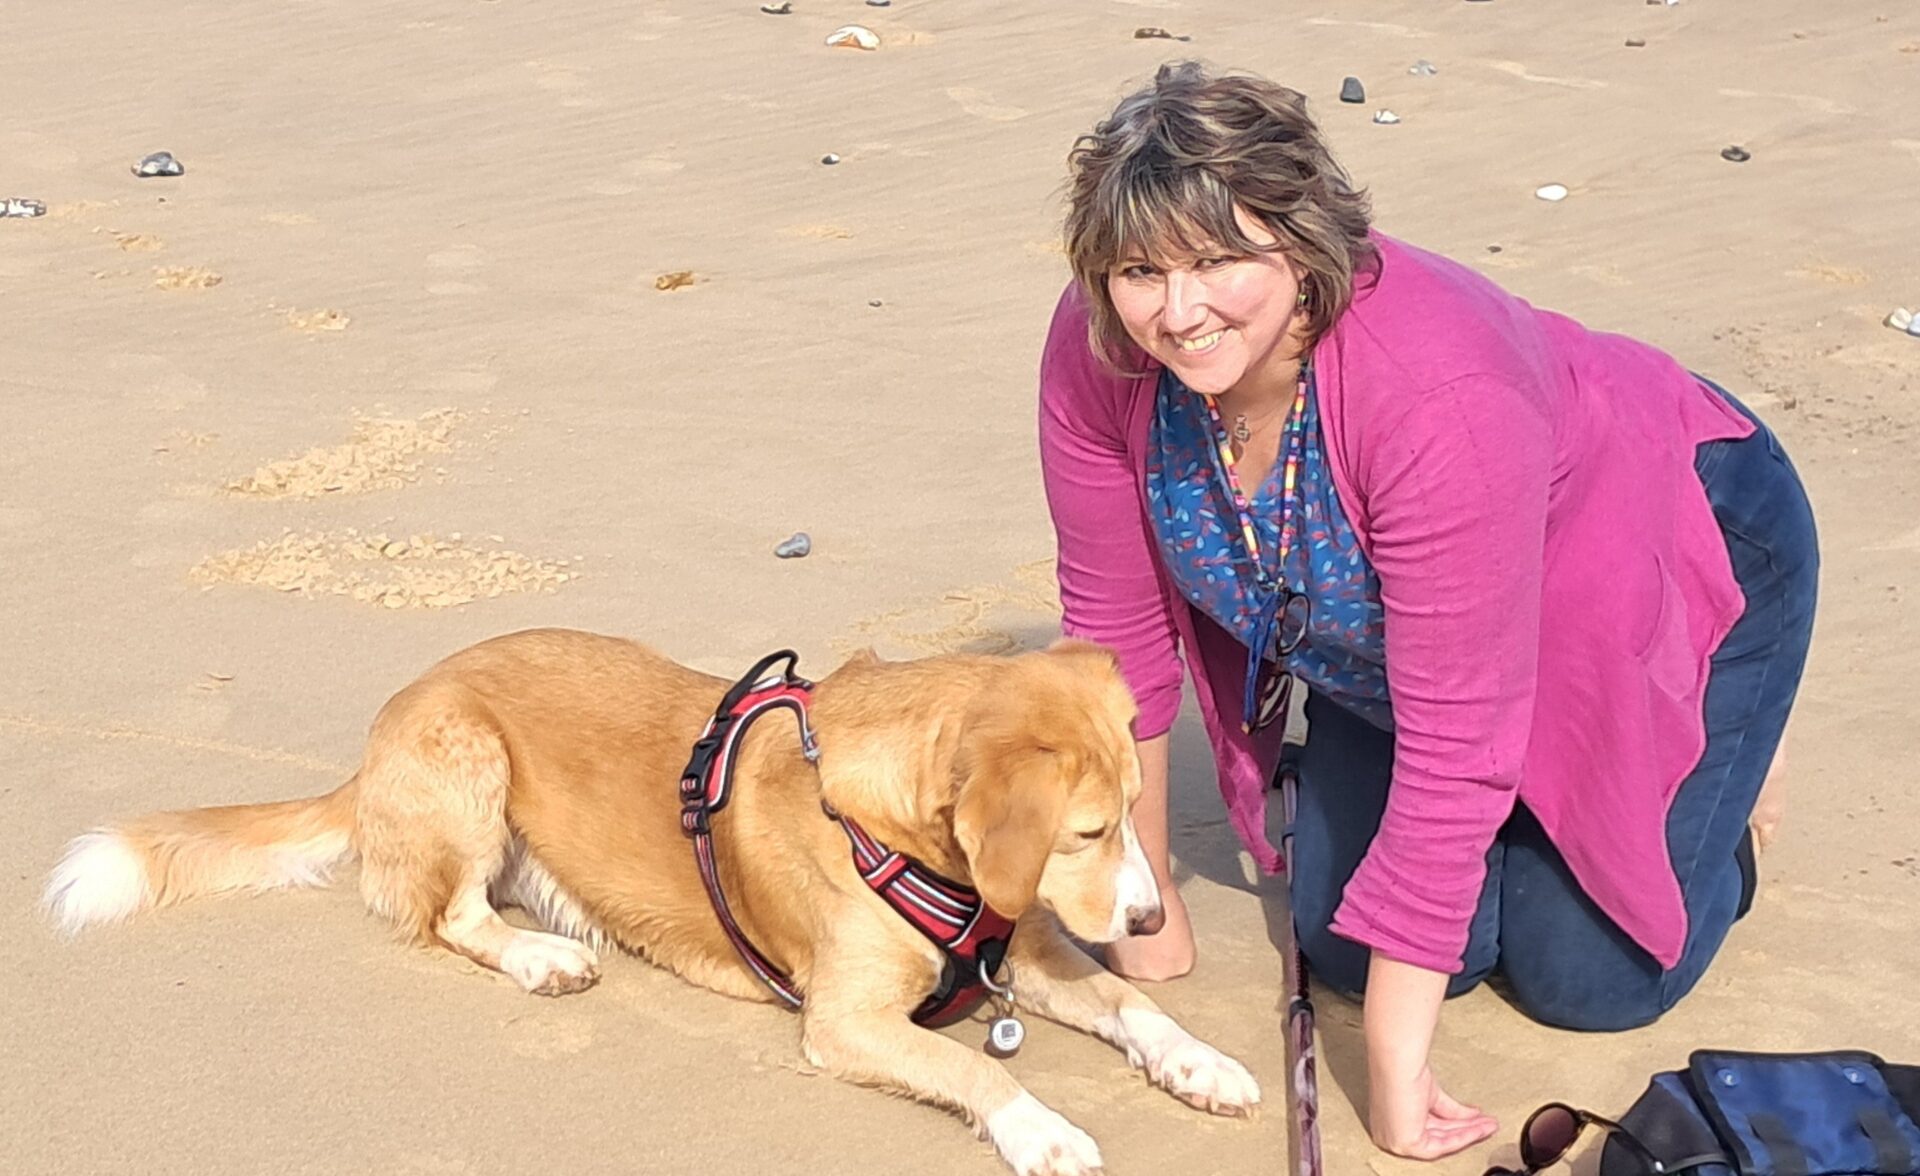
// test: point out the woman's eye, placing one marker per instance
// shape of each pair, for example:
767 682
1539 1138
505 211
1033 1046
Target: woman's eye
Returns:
1211 262
1136 273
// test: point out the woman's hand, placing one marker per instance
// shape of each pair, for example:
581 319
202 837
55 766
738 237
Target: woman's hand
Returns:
1417 1119
1407 1112
1165 955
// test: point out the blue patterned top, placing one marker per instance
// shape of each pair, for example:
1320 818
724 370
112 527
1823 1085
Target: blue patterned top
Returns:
1343 654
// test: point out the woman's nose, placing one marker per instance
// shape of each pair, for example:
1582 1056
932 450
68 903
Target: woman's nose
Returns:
1186 302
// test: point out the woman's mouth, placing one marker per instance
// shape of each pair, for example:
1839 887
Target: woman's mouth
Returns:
1201 343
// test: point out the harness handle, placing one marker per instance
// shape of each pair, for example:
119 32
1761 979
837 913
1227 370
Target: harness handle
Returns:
753 677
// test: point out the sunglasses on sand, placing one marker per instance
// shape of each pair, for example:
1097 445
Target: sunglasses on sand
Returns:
1551 1132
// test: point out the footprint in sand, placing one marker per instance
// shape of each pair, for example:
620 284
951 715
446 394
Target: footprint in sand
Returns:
383 453
186 277
981 105
410 572
315 321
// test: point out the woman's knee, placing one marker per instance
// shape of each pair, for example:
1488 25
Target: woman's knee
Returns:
1584 996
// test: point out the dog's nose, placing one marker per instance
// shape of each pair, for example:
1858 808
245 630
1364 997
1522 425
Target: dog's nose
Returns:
1146 920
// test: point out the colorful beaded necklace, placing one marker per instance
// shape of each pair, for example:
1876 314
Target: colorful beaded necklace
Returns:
1263 701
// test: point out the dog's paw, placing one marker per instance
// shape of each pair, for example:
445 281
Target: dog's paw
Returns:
1035 1140
549 965
1201 1076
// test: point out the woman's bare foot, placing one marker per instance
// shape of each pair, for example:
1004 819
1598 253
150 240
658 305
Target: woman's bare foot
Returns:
1166 955
1772 805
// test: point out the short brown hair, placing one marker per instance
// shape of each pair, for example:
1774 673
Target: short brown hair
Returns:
1164 172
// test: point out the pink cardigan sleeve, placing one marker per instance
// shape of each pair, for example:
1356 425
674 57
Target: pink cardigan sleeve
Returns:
1455 489
1109 583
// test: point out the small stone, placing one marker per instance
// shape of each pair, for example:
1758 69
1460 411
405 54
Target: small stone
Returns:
1901 319
829 159
1553 192
676 280
160 163
395 549
1636 42
1155 33
795 546
14 206
1352 91
879 3
1385 117
1423 68
875 303
780 9
1736 154
1493 249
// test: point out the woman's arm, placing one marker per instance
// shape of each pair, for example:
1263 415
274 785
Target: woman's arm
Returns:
1109 584
1110 592
1456 488
1407 1112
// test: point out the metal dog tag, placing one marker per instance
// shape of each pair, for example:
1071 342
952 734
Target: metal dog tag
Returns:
1004 1036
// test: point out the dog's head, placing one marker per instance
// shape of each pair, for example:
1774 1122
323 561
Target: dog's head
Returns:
1045 781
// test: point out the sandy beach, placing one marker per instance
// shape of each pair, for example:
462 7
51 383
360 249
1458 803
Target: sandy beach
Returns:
391 369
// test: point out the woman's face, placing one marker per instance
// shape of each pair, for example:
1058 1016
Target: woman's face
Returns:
1217 319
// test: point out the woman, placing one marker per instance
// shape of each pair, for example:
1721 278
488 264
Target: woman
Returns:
1550 594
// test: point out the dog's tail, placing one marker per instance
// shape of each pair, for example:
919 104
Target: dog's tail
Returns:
110 875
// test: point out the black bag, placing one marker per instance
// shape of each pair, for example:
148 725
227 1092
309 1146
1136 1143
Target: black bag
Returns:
1843 1113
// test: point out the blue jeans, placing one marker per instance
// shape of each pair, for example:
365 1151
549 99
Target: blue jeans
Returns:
1564 961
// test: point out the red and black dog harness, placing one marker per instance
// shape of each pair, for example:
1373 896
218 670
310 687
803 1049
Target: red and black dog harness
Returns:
972 937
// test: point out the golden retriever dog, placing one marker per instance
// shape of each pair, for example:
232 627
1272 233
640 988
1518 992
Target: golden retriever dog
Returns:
541 770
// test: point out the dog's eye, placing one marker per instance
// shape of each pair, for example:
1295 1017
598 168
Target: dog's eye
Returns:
1091 834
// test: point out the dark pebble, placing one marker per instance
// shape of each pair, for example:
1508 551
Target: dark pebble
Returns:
1736 155
1493 249
795 547
829 159
1352 91
875 303
1636 42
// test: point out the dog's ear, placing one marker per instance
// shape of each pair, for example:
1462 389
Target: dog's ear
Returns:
1008 804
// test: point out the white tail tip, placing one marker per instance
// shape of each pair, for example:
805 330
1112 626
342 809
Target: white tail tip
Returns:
100 879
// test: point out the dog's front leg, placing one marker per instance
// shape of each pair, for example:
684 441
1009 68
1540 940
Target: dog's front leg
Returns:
1058 981
884 1048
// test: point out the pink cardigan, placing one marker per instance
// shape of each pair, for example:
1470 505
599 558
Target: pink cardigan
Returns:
1553 579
